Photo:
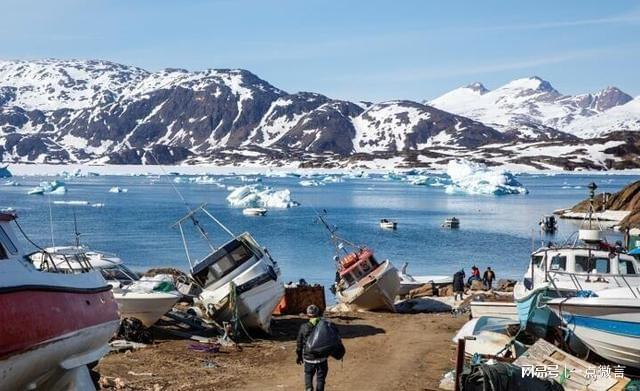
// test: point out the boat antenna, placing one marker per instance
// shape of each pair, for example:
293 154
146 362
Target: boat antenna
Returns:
190 211
75 229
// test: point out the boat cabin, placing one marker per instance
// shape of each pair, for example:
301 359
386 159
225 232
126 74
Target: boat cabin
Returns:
232 256
452 222
548 223
356 266
582 268
8 246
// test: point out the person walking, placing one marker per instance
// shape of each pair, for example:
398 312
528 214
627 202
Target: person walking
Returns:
458 284
488 278
313 366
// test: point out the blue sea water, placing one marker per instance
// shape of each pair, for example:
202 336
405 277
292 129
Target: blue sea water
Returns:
496 231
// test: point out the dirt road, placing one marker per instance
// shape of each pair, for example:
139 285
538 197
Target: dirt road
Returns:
384 352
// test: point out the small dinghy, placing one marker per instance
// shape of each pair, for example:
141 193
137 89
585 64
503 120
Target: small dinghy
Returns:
388 224
548 224
254 211
451 223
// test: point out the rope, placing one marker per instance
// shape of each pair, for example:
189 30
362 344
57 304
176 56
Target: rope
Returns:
235 319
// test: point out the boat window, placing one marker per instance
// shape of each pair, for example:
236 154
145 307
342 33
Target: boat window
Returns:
583 264
626 267
3 254
349 278
116 273
227 259
559 263
7 243
536 260
602 265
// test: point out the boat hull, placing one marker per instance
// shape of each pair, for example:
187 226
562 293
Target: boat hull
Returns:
49 337
494 309
532 312
609 327
146 307
376 291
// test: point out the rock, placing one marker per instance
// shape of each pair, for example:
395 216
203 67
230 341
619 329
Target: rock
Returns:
445 291
477 285
505 285
626 199
423 291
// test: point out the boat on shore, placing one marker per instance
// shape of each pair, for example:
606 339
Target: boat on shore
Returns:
607 322
494 309
137 298
52 324
362 282
236 282
588 263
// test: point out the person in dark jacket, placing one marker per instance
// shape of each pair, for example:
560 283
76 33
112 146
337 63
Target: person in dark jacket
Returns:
488 277
458 284
313 366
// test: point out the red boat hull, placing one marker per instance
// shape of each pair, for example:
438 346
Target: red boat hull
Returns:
32 316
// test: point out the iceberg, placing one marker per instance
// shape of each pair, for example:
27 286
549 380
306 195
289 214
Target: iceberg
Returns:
332 179
117 189
53 187
476 178
71 203
259 196
425 180
4 172
310 183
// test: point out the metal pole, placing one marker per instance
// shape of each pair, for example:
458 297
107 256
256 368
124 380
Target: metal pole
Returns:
459 363
219 223
186 248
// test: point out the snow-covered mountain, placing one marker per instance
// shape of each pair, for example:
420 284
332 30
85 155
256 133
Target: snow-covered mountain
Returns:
623 117
100 112
530 107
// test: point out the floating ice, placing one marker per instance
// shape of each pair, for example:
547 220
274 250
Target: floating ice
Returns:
425 180
53 187
310 183
11 183
259 196
475 178
117 189
394 176
83 203
332 179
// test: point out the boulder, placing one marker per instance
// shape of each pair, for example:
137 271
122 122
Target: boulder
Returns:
477 285
423 291
505 285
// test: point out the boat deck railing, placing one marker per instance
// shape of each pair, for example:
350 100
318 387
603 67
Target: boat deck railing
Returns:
621 280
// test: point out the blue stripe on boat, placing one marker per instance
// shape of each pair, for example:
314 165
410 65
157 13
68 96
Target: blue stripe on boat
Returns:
619 327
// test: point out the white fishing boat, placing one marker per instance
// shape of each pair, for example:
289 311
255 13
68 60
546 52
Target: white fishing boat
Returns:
409 282
451 223
548 224
254 211
607 322
588 263
137 298
52 324
366 284
496 309
238 281
388 224
363 283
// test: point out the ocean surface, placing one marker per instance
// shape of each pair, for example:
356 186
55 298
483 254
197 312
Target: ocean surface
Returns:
496 231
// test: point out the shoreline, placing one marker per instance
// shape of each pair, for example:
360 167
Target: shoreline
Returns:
41 169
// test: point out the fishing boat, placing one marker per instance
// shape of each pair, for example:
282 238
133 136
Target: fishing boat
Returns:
144 299
254 211
388 224
52 324
409 282
608 322
451 223
362 283
238 282
588 263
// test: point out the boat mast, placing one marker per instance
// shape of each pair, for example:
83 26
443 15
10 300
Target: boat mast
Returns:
75 229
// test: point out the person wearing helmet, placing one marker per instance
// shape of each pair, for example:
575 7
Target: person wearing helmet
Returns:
313 367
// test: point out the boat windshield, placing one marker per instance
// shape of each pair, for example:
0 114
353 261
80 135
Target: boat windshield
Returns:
120 273
222 262
6 244
626 267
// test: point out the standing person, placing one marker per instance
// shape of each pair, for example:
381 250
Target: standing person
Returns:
488 277
313 366
458 284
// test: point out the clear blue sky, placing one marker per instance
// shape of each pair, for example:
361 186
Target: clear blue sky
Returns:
368 50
